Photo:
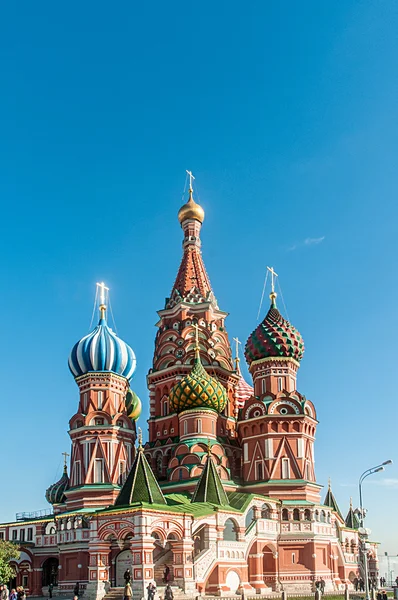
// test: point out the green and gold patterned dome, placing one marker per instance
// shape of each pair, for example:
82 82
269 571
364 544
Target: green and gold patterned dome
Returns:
133 405
198 390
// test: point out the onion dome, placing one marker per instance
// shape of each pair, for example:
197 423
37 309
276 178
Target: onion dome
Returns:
274 337
198 390
243 391
133 405
191 210
56 492
102 350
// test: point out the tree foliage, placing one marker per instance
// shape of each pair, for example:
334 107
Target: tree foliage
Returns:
8 551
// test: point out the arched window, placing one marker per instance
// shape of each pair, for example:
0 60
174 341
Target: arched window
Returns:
230 533
296 515
249 517
323 516
265 511
285 514
307 515
317 515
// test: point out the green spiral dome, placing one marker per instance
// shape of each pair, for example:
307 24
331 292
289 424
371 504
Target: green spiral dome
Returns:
133 405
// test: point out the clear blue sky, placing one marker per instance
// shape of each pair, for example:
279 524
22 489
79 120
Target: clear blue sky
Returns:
287 114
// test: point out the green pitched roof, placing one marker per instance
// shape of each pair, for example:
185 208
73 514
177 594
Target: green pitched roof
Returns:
209 487
141 484
351 519
331 501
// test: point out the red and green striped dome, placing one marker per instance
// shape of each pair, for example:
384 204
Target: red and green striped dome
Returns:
274 337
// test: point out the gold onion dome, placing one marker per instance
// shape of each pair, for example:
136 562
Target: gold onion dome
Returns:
198 390
191 210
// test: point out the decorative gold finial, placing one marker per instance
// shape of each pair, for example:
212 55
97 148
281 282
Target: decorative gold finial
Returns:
140 439
237 359
208 447
273 294
191 210
351 503
197 347
65 455
329 484
102 299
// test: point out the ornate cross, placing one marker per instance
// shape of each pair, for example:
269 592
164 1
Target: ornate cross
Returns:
196 326
65 455
139 437
237 359
102 288
191 177
273 275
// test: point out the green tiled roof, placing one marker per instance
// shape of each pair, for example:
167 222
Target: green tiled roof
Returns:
141 484
209 487
331 501
351 519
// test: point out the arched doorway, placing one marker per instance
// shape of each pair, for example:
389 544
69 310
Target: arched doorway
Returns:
232 581
50 572
269 566
124 561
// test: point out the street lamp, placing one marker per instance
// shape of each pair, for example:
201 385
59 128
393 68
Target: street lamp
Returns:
365 532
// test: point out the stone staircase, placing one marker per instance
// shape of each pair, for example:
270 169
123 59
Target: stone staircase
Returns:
114 593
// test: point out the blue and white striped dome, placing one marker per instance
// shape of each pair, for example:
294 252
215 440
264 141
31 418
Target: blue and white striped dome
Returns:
102 350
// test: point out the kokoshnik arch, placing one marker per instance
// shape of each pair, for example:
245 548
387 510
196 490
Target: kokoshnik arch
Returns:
224 492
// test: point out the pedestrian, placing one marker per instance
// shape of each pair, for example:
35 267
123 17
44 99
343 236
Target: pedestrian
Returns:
50 590
4 592
127 576
13 595
379 596
322 585
127 592
76 590
168 593
356 583
21 593
384 595
396 581
151 591
166 575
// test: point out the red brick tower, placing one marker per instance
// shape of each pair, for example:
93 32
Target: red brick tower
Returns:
103 429
277 426
191 302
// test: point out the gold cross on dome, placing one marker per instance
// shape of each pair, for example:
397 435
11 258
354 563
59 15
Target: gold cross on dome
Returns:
139 437
237 359
273 276
65 455
196 326
191 177
103 289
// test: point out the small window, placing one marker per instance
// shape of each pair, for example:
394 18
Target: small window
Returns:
22 535
98 421
285 468
24 581
269 449
263 386
120 423
100 397
280 384
245 452
180 474
285 514
85 400
122 472
1 535
99 470
77 473
14 534
116 400
199 425
165 408
293 558
212 427
30 534
185 427
259 471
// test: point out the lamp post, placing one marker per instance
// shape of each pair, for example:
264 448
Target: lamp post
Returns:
365 532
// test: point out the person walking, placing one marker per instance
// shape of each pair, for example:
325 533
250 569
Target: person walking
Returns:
50 590
4 592
151 591
322 585
168 593
127 576
76 590
127 592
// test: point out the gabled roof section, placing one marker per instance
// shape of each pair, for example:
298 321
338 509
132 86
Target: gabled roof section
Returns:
351 519
209 487
141 484
331 501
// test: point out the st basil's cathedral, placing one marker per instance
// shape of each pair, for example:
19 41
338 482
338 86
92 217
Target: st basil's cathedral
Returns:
223 496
